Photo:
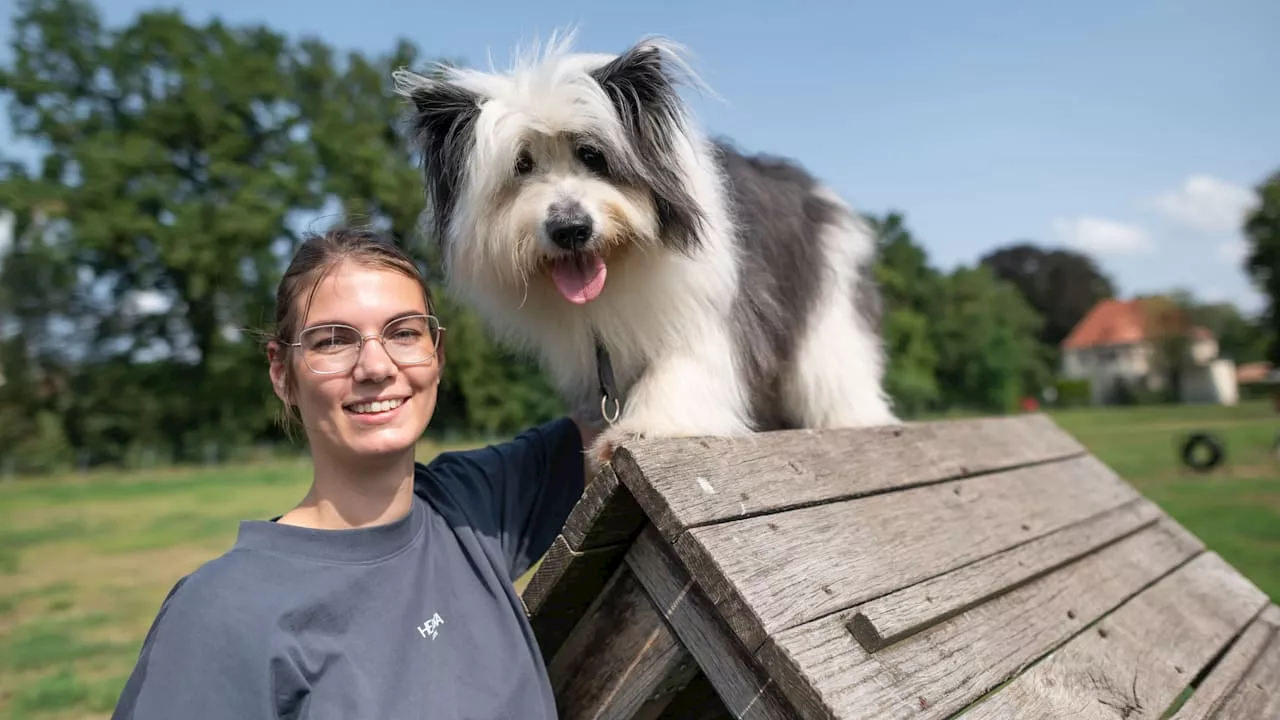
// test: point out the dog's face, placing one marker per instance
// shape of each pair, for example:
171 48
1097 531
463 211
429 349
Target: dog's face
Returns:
550 173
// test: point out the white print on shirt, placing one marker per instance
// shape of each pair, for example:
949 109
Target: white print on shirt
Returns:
429 627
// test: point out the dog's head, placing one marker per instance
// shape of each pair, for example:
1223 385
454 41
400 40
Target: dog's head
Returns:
547 173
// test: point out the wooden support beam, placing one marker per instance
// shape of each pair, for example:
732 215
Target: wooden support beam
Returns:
745 690
621 659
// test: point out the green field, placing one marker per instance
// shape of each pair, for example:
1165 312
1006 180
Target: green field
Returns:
85 561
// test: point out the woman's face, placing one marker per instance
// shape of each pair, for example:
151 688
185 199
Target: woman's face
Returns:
377 408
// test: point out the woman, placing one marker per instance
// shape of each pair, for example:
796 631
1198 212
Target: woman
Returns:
387 591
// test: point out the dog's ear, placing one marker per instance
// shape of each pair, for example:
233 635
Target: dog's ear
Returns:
440 109
640 88
441 118
642 85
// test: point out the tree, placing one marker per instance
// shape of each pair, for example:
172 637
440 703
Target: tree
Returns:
985 332
1061 285
908 286
177 154
1240 338
1262 233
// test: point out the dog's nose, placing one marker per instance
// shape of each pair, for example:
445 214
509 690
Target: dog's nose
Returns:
570 232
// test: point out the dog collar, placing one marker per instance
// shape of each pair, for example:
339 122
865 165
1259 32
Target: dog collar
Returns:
608 385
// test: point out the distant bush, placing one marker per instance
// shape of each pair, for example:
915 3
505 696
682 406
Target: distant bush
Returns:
1072 393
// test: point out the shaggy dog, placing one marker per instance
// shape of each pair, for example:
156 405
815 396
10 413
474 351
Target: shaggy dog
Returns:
669 282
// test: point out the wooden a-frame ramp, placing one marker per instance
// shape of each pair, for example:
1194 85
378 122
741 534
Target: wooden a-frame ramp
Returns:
989 568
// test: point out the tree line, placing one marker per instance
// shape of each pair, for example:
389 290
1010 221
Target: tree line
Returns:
179 165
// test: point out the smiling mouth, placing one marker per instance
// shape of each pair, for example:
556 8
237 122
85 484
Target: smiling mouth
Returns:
377 406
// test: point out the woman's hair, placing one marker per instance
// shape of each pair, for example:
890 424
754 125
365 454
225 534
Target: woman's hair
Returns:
315 258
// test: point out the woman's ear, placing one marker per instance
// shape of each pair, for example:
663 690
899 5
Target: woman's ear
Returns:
440 349
276 358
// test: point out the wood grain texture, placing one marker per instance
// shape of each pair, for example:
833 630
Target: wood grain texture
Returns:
775 572
1134 663
1257 696
687 482
563 587
606 514
891 617
618 657
941 670
1230 671
743 687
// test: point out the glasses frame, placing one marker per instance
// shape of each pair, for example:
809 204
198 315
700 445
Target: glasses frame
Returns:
380 337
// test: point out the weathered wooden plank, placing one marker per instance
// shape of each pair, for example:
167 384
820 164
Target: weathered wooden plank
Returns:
697 701
563 587
687 482
1234 666
607 514
777 571
939 671
1135 662
618 657
744 689
1257 695
891 617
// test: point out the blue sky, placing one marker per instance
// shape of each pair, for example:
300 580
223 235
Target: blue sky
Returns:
1133 130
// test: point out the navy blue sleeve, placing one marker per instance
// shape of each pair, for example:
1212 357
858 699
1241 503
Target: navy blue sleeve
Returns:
198 663
521 491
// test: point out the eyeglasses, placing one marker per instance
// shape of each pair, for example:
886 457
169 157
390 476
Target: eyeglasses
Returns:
332 349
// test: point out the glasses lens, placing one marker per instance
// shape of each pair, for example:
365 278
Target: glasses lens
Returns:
412 339
330 348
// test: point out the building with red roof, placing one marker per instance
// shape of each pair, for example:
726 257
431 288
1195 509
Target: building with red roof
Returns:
1125 345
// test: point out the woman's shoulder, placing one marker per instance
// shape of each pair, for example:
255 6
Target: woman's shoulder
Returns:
220 594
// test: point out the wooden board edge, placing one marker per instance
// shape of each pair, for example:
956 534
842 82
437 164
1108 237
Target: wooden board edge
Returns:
606 514
868 634
563 587
1221 679
747 691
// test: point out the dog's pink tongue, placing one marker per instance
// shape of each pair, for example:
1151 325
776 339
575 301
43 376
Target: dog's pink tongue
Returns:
578 282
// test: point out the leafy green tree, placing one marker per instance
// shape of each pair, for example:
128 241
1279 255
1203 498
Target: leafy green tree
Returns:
177 154
985 332
909 286
1262 232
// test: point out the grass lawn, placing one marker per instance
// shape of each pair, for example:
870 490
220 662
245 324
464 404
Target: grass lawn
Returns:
85 561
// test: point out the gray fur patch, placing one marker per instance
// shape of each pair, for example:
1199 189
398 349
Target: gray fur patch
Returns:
443 125
781 223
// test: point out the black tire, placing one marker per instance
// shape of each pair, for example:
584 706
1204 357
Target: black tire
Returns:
1197 441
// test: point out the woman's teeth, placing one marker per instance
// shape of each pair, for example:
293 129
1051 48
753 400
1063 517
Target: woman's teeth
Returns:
376 407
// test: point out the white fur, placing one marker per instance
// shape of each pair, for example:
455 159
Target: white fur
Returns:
665 316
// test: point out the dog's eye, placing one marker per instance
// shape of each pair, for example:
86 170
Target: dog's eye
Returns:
524 163
592 158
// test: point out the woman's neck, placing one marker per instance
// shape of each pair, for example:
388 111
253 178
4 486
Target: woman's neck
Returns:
344 497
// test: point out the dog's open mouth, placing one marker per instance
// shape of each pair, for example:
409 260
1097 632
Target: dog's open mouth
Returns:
579 277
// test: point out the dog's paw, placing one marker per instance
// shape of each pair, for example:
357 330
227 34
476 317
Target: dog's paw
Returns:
608 441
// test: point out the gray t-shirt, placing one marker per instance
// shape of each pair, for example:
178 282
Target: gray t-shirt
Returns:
414 619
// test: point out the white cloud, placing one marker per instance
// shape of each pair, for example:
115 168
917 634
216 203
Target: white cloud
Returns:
1206 205
1102 237
1233 251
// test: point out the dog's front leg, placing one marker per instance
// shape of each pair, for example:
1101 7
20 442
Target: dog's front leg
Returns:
695 392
